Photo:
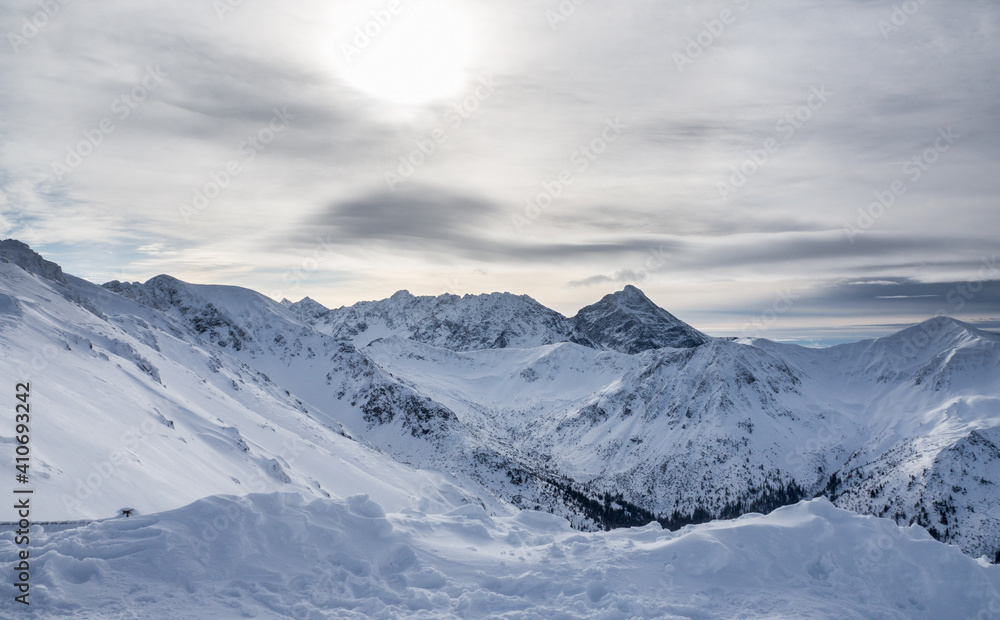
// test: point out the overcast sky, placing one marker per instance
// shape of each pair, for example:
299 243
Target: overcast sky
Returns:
726 157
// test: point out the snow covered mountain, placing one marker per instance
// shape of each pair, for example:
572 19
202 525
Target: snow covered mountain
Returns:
134 407
495 321
343 388
625 321
729 427
618 416
18 253
629 322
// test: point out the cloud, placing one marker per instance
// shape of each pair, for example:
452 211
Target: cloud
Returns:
903 296
411 214
647 207
432 220
971 297
625 275
591 281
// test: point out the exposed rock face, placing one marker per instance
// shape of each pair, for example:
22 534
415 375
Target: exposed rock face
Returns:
627 321
467 323
14 251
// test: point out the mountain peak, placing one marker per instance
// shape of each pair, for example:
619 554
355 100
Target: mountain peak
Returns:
163 280
945 322
630 322
939 333
306 308
629 295
310 302
18 253
460 323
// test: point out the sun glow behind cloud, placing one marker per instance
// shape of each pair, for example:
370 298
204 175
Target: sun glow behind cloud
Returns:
408 53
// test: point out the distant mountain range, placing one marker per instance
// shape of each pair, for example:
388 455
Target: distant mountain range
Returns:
617 416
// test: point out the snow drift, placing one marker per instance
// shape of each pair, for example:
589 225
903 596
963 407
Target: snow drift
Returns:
285 555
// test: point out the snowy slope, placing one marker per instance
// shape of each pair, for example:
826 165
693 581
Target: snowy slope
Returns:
284 555
930 400
18 253
671 430
132 409
344 388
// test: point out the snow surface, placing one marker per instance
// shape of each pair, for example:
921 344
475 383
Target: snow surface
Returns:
282 555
